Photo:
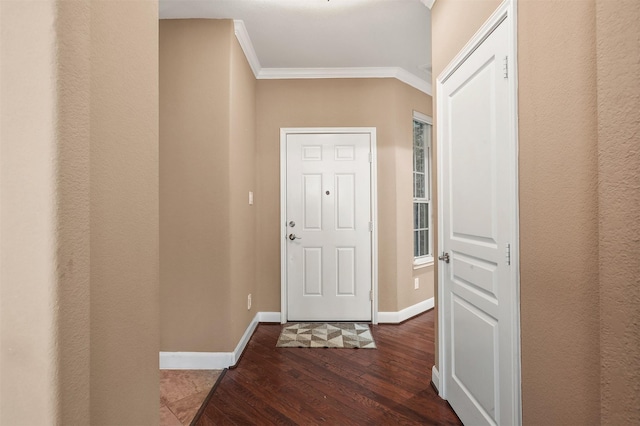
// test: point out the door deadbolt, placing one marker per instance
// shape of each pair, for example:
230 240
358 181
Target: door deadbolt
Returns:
292 224
445 257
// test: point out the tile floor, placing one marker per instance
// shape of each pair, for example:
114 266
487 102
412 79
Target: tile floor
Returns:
182 393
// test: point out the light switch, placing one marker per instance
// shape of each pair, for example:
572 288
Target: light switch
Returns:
250 198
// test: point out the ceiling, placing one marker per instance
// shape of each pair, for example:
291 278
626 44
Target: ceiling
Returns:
336 34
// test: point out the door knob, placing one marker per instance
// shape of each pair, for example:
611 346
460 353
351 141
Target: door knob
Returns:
445 257
293 237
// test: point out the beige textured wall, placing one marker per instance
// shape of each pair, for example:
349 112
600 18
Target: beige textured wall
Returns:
618 55
78 173
28 197
194 185
73 251
558 212
207 168
242 166
124 213
340 103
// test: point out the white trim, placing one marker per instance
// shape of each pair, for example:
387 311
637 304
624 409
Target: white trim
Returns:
283 208
405 314
283 222
245 338
195 360
418 116
354 72
422 262
269 316
247 47
442 361
435 378
506 11
214 360
374 218
428 3
515 252
260 73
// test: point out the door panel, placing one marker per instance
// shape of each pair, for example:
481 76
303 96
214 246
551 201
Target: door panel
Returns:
474 333
475 273
473 163
312 271
312 202
346 274
345 202
329 262
477 224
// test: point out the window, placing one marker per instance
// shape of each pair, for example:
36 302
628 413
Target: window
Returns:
422 244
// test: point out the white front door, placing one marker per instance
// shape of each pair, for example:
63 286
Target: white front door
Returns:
479 302
328 236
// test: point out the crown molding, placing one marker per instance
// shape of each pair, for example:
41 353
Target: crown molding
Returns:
247 47
315 73
311 73
428 3
360 72
414 81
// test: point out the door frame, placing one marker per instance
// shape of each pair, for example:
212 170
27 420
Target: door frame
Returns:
507 13
284 132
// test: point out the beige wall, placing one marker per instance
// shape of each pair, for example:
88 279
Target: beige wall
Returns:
207 168
242 164
558 212
28 321
73 217
577 117
386 104
194 185
618 66
124 213
78 173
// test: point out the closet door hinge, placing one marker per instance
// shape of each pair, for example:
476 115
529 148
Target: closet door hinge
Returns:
505 67
508 254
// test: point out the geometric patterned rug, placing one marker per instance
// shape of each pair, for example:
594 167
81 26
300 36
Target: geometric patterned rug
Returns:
326 335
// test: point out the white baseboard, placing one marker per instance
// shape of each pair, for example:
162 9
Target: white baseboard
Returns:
195 360
245 338
405 314
214 360
220 360
435 378
269 317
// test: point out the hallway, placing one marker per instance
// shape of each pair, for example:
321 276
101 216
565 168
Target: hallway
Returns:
388 385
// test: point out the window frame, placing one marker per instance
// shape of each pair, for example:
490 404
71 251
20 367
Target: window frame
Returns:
425 260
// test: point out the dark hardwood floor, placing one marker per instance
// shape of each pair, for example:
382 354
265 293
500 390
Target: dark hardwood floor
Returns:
383 386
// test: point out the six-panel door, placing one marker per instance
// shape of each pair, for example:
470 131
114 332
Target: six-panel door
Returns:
329 247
